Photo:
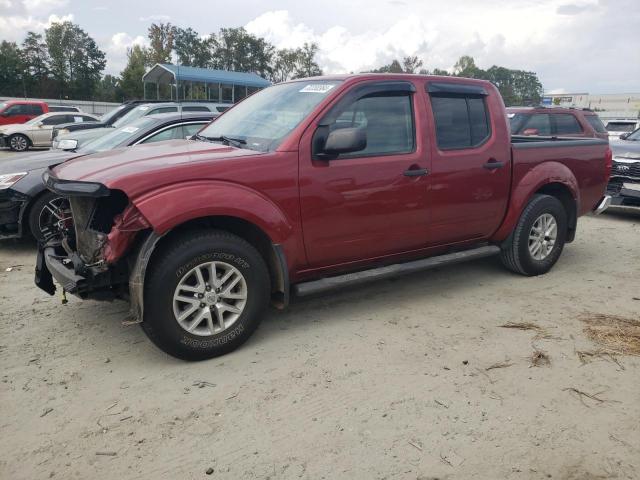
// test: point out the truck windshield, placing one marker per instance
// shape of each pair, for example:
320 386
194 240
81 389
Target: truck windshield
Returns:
263 121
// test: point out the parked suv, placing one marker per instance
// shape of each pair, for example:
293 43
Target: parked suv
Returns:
21 111
555 122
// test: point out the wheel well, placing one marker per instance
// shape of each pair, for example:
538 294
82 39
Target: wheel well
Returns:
252 234
27 209
23 135
562 193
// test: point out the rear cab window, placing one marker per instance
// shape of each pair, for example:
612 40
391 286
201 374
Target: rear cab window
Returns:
566 124
596 123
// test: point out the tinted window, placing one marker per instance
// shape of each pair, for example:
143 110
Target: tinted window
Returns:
461 121
596 123
18 110
566 124
478 119
540 122
222 109
192 128
195 109
35 110
387 121
168 134
56 119
164 110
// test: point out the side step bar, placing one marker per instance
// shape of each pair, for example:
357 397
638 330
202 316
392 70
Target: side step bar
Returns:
357 278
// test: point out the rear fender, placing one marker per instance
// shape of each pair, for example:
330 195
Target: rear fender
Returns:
542 174
174 205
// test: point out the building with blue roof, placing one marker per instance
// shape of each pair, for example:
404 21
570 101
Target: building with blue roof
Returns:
191 83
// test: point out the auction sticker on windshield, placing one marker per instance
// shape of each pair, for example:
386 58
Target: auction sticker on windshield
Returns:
317 88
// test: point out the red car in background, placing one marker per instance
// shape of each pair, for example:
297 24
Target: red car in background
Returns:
21 111
556 122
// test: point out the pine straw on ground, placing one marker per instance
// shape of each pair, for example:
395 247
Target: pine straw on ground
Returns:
619 335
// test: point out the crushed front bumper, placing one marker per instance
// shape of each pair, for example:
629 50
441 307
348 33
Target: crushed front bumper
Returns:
75 277
625 193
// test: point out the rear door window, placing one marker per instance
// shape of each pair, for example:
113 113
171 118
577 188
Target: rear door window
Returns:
566 124
56 120
35 110
461 120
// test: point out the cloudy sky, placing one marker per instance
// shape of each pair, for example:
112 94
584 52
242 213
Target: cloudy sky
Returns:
573 45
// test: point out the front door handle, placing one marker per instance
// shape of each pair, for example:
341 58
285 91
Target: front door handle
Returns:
492 164
416 172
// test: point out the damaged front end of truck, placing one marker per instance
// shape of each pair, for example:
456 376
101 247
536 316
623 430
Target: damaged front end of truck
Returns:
87 255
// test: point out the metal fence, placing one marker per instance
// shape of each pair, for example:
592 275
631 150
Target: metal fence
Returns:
97 108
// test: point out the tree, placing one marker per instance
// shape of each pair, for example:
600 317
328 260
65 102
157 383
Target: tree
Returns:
35 58
131 77
161 39
306 64
240 51
76 62
109 89
192 50
411 64
11 70
466 67
284 65
517 87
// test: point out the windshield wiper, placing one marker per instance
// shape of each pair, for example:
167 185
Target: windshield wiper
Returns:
228 140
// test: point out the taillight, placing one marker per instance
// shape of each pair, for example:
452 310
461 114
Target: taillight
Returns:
608 162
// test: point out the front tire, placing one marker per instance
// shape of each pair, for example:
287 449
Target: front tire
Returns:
19 142
538 238
205 294
44 215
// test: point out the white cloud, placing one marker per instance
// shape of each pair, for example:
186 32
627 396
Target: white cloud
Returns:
14 28
565 42
116 50
155 18
43 6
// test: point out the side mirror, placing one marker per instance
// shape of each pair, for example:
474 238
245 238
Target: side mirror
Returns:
67 144
624 136
530 131
345 140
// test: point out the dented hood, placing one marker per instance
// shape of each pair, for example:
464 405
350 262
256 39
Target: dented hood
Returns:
138 169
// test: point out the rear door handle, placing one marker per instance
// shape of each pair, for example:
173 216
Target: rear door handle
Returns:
492 164
416 172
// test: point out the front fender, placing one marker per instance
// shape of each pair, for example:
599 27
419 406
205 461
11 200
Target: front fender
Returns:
172 205
527 185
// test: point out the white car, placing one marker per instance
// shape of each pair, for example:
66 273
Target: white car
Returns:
37 131
615 128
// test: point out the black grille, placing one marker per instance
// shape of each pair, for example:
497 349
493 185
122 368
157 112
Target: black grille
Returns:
623 169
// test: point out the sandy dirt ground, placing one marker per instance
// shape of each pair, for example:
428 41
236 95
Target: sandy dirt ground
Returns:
388 381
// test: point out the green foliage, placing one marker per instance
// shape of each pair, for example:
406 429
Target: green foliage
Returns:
131 77
237 50
517 87
161 40
11 69
192 50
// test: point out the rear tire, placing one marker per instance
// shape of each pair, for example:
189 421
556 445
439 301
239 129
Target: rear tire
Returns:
19 142
538 238
190 311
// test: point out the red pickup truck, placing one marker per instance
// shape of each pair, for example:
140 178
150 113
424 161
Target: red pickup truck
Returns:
310 185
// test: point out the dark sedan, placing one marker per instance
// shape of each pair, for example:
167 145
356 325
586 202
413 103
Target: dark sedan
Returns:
26 206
